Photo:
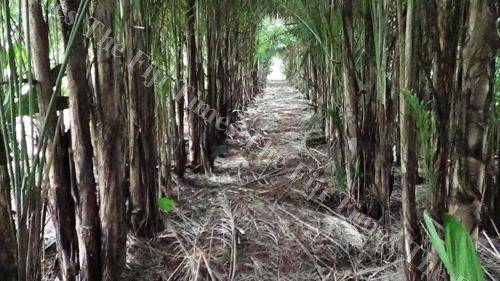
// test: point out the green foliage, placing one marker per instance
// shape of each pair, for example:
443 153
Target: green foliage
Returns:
425 133
314 122
458 252
436 241
272 39
462 252
335 114
166 204
357 169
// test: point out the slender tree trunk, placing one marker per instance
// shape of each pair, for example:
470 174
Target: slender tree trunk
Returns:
490 215
444 30
15 173
224 61
350 100
142 154
60 195
481 45
495 208
408 135
34 249
84 185
383 156
211 77
62 209
110 147
180 166
203 125
193 84
8 255
369 97
221 87
442 18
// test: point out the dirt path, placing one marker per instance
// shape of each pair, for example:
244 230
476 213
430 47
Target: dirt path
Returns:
250 221
271 130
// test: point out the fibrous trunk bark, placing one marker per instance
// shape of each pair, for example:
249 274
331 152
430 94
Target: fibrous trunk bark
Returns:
473 109
62 208
444 29
180 146
110 146
368 124
412 238
193 86
84 185
142 129
212 80
350 89
8 255
383 155
200 108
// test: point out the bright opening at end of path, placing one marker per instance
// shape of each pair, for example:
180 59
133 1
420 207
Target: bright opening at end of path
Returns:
276 70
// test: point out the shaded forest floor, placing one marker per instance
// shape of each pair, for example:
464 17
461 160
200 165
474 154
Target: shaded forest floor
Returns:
254 220
250 221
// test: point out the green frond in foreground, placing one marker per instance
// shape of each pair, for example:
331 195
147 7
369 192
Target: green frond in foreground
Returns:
458 252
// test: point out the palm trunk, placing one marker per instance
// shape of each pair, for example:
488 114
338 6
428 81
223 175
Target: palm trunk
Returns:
350 101
495 208
443 18
60 195
475 100
222 85
412 238
444 31
84 185
369 97
193 84
63 213
180 166
8 255
211 77
203 126
110 148
34 248
142 154
383 157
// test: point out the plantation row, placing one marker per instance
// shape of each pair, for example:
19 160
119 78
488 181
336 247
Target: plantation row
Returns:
107 104
408 92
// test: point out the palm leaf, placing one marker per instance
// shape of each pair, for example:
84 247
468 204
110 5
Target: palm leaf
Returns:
461 251
166 204
437 243
458 252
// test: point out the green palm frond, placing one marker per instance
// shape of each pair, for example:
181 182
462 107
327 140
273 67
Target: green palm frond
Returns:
458 252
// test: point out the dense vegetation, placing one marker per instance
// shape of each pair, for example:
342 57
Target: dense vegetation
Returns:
95 95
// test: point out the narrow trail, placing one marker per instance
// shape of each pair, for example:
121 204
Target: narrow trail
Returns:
250 221
271 132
